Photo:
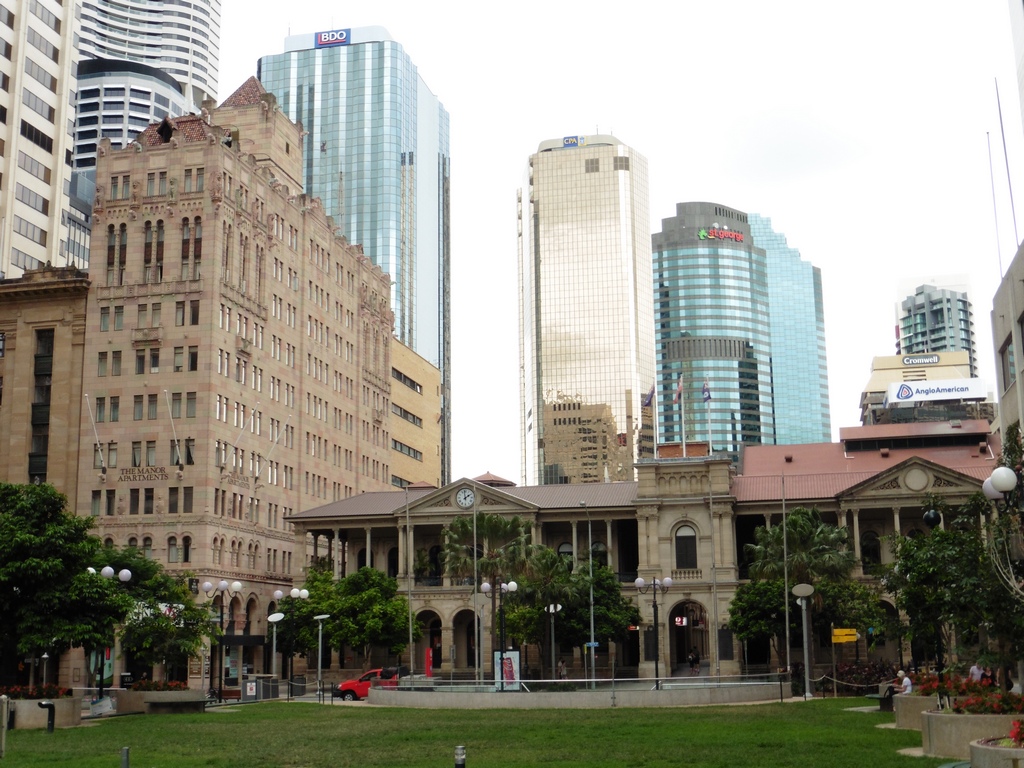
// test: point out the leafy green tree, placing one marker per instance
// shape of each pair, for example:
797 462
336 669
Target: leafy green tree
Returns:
547 580
757 613
614 613
945 584
371 612
165 625
48 599
297 631
813 549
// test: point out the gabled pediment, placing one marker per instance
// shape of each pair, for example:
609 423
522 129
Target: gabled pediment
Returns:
486 499
912 479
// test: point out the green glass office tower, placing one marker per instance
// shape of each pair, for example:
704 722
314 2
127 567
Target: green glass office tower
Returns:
797 321
377 154
739 331
586 329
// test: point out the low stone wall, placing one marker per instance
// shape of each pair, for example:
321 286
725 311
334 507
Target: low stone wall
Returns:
129 702
950 735
602 698
908 710
29 715
989 756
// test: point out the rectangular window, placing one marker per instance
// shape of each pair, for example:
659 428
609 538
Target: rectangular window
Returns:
154 360
118 318
172 500
151 453
193 358
138 408
179 359
190 450
190 405
111 503
592 165
101 364
148 508
115 408
176 405
194 312
133 501
115 363
137 453
104 318
152 407
154 314
179 313
143 317
186 500
101 409
140 361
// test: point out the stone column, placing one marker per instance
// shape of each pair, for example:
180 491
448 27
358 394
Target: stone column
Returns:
896 521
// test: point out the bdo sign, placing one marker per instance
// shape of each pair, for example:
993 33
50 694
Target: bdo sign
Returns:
333 37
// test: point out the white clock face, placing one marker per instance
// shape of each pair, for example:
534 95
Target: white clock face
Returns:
465 498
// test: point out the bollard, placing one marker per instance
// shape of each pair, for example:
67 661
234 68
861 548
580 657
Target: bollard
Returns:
51 713
124 757
460 757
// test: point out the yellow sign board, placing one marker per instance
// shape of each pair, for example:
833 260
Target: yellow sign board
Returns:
844 635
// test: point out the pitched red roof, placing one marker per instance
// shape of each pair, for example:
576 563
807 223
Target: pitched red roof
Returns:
246 95
190 128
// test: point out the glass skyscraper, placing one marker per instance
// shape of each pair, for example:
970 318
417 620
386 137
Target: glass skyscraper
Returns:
797 320
377 155
586 324
711 316
739 332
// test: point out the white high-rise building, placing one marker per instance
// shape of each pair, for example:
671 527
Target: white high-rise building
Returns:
38 61
586 326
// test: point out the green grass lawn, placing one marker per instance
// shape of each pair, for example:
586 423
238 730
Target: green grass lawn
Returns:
306 735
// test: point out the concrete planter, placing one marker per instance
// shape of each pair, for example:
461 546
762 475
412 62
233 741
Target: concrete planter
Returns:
28 713
908 710
164 702
129 702
950 735
984 755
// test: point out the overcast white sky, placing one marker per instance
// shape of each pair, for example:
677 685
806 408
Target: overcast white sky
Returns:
859 129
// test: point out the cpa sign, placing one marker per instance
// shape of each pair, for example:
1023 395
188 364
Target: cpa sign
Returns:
574 141
334 37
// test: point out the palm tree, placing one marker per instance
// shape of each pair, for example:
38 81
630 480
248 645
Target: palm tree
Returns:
814 549
548 580
497 548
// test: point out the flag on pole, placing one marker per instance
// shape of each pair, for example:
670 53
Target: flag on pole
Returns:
648 398
707 392
679 389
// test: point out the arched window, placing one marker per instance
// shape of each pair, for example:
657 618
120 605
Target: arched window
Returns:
870 548
133 542
186 549
686 547
147 548
108 542
172 549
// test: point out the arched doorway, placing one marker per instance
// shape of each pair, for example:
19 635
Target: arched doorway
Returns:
432 639
688 630
464 636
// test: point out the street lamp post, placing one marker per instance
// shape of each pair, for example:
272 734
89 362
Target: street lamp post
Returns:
273 619
803 593
124 576
320 653
504 587
553 608
592 645
295 594
933 518
230 591
654 587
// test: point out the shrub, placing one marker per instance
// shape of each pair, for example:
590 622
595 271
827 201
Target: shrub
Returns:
49 691
992 702
928 684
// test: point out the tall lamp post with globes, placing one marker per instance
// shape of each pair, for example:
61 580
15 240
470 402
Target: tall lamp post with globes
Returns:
226 591
124 576
320 653
295 594
503 588
654 587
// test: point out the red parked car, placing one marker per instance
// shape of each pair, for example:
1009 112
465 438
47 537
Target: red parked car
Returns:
353 690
